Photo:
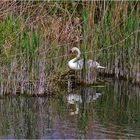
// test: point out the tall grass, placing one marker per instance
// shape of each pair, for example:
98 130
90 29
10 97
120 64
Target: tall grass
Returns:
36 37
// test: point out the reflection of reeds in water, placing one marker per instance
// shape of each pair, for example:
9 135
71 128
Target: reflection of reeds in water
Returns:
121 101
36 37
113 114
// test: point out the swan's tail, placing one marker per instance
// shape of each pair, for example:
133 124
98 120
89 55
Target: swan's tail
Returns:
100 67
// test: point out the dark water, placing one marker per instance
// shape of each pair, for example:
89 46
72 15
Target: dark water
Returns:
106 112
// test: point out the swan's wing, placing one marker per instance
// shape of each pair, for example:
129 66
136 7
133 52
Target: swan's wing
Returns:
79 64
90 63
93 64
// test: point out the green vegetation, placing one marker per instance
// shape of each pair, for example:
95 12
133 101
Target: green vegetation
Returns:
37 35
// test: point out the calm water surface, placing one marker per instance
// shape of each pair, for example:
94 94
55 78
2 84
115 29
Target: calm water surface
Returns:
111 111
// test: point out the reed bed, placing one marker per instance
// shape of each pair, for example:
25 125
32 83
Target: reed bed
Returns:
36 37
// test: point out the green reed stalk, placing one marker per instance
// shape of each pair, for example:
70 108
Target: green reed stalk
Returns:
36 37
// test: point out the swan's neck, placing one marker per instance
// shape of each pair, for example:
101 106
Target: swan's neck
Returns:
77 57
73 64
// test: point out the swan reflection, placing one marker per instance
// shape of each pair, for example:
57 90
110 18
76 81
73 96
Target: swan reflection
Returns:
81 96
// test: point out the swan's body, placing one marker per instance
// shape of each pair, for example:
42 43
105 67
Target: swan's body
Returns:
78 64
75 65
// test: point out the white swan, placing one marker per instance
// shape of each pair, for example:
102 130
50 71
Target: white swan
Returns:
77 63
